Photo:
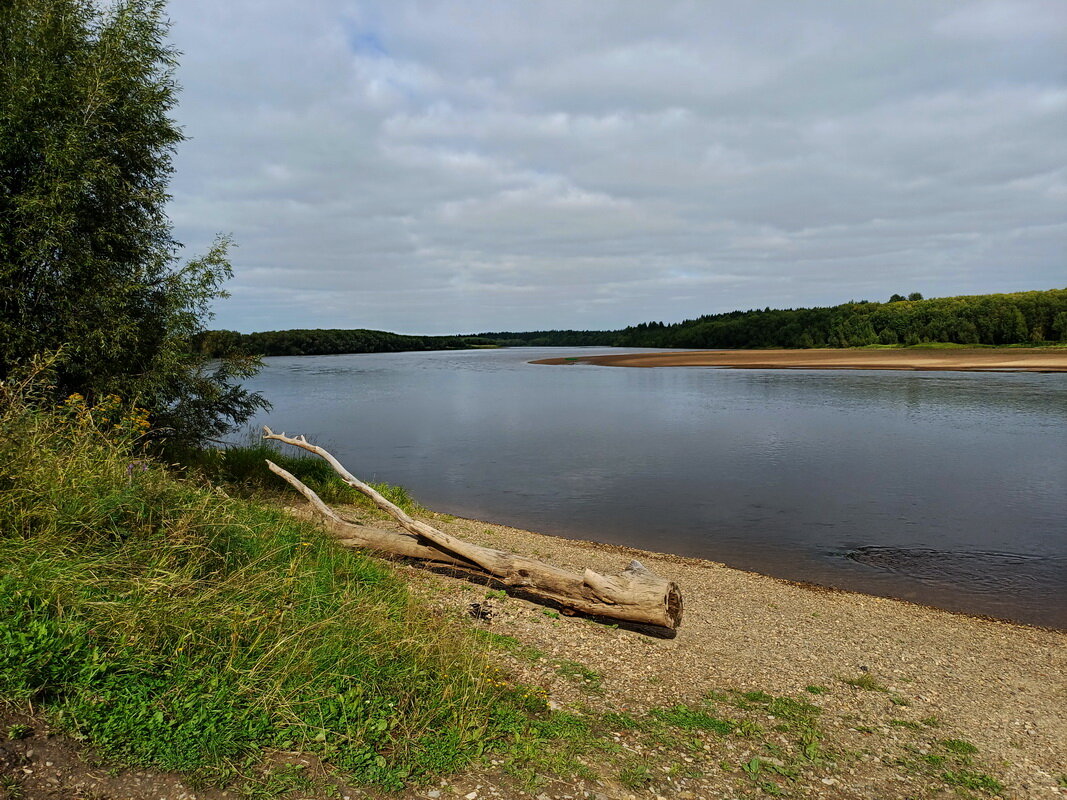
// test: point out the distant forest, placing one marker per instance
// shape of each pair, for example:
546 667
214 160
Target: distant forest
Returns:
991 319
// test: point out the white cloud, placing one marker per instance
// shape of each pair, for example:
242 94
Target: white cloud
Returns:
480 165
1008 20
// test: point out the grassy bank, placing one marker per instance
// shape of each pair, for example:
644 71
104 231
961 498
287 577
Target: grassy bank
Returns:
171 625
243 469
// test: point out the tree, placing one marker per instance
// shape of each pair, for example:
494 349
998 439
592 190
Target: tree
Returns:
897 298
88 263
915 296
1059 325
1013 326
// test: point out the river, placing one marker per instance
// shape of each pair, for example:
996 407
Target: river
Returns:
943 488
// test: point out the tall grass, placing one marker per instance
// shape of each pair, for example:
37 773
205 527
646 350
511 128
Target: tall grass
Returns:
173 625
243 467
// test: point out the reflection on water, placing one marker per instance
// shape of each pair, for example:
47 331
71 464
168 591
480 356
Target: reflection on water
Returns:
910 484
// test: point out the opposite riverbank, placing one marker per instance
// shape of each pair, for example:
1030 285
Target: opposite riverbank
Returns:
972 360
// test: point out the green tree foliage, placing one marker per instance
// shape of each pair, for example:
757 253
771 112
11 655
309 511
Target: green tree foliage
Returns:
88 264
301 342
1059 325
332 341
992 319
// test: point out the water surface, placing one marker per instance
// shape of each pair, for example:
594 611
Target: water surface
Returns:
945 488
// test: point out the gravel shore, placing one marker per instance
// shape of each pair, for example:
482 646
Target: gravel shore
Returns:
997 685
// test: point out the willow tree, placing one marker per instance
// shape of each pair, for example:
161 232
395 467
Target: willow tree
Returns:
88 263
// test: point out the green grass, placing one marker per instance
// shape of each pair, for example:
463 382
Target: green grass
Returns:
177 627
947 760
10 788
865 681
973 780
509 644
960 747
19 731
243 468
636 776
589 679
617 721
281 780
790 709
692 719
904 723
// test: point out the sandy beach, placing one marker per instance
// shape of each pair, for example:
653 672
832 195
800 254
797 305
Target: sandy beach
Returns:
972 360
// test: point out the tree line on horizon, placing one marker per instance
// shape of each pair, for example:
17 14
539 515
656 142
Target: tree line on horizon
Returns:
1036 317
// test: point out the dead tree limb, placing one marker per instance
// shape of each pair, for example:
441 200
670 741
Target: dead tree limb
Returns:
352 534
634 595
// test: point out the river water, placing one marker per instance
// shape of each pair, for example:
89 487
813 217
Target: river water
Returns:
944 488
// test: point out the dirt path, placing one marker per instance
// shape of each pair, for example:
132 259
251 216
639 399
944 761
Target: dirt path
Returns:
980 360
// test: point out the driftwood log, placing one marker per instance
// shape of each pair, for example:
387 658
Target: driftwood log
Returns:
635 595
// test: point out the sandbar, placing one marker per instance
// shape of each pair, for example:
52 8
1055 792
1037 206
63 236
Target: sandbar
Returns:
972 360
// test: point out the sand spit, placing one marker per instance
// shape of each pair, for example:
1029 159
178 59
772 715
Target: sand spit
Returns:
971 360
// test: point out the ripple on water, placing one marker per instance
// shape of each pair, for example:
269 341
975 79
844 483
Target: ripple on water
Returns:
980 572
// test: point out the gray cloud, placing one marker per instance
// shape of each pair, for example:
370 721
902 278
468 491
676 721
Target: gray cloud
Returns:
464 166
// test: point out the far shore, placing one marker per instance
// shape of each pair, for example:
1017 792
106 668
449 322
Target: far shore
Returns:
970 360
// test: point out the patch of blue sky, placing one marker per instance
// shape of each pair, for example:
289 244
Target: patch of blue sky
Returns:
367 43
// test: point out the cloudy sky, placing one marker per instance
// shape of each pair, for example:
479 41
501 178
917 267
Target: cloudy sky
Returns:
468 166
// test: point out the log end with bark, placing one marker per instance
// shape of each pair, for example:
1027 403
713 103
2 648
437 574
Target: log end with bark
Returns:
634 595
